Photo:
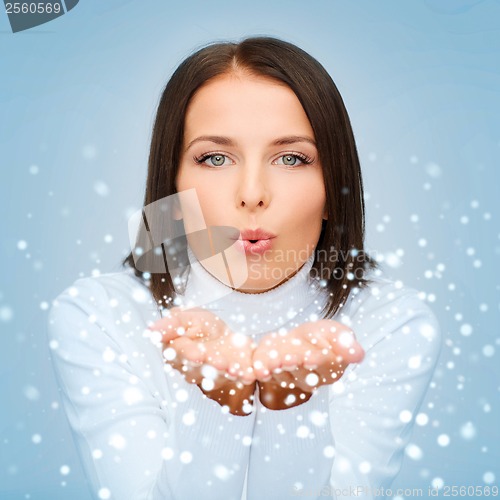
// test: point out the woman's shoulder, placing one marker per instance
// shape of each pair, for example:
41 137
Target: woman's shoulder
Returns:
109 300
382 293
105 289
98 326
385 306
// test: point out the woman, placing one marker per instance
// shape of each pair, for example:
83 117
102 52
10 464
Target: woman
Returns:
278 361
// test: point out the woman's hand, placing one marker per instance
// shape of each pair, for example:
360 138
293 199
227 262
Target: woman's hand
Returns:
290 366
202 348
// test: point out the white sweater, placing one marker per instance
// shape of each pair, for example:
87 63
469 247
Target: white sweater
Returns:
143 432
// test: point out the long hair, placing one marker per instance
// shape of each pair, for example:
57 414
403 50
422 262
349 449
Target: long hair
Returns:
340 261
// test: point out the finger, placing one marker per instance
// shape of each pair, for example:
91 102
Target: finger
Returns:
248 376
241 371
346 346
340 338
325 363
170 328
261 371
285 379
308 344
283 352
206 321
188 349
178 323
264 361
190 371
316 354
296 351
245 371
216 358
290 356
234 361
240 355
318 341
191 322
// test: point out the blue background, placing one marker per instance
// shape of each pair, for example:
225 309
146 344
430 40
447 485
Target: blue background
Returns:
421 81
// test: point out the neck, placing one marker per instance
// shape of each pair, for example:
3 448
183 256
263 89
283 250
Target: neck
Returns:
254 290
256 312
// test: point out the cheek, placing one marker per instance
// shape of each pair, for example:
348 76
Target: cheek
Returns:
309 210
205 183
306 200
209 197
309 223
184 179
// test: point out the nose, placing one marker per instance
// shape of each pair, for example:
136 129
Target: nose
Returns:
253 189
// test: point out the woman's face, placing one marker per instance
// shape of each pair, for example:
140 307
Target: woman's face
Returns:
249 153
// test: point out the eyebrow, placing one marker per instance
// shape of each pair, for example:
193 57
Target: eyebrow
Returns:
226 141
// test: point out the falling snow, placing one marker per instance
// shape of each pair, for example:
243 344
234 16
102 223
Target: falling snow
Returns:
186 457
443 424
32 393
101 188
65 470
443 440
466 330
468 431
221 472
6 314
414 451
489 477
117 441
303 431
104 493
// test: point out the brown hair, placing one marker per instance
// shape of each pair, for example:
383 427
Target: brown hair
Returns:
340 260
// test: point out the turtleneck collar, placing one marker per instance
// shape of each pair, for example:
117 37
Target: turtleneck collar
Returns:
251 313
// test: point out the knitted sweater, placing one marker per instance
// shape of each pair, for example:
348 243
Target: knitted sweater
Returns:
143 432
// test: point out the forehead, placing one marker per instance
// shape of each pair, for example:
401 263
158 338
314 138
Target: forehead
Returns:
243 104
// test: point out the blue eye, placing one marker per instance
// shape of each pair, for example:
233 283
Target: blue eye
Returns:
216 158
290 159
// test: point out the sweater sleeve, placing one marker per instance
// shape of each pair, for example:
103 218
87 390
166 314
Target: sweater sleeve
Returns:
369 412
373 406
132 442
